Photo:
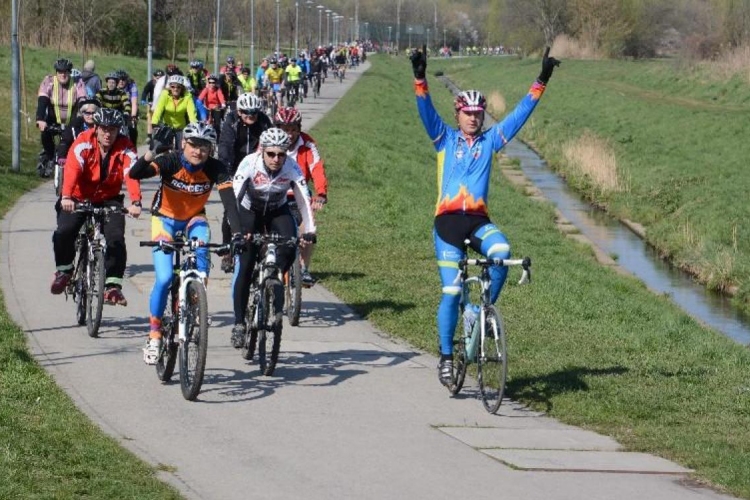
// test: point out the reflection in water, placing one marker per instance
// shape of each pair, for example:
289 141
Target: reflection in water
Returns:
632 253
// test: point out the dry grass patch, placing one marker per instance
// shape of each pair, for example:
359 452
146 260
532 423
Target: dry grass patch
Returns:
566 47
729 63
496 104
593 158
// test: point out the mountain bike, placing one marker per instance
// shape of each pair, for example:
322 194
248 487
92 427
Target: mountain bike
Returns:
87 285
263 321
483 340
293 277
47 167
184 325
316 85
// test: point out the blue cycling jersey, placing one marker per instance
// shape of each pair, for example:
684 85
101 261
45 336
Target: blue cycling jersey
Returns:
463 163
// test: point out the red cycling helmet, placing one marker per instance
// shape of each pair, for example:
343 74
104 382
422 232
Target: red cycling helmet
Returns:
287 116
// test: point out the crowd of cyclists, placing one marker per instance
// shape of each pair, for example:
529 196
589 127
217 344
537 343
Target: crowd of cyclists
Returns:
237 131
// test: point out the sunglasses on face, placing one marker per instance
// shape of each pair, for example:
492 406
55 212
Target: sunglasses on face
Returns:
212 82
273 155
203 148
249 113
175 87
88 113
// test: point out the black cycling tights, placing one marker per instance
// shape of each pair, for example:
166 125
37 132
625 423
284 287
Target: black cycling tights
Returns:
278 221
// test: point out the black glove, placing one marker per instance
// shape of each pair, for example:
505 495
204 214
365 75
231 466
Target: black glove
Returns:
548 64
419 62
238 243
162 140
310 237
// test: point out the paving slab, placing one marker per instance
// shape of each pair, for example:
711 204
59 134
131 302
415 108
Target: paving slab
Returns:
533 438
586 461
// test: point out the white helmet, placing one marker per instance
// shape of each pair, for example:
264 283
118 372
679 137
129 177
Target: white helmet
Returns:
175 79
200 131
248 102
274 138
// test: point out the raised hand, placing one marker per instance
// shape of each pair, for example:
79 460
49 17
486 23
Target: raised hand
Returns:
548 64
419 62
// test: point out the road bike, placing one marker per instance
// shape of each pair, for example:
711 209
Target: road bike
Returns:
185 322
87 285
263 320
316 85
483 337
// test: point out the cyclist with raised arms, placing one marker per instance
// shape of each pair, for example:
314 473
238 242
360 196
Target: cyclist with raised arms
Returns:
56 101
187 178
464 164
261 183
304 151
240 134
96 166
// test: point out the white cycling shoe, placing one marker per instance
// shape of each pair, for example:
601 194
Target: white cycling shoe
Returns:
151 351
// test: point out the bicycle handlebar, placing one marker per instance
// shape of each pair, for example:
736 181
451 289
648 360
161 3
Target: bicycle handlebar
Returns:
87 208
525 263
186 245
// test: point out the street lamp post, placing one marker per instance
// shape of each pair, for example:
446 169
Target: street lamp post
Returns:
428 38
278 15
308 30
296 28
252 35
328 26
407 29
320 24
216 37
389 37
443 36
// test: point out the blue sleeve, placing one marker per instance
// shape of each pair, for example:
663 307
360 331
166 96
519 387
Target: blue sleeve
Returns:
433 124
200 109
501 133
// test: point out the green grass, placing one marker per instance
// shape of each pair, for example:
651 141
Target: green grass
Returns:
679 139
48 448
588 346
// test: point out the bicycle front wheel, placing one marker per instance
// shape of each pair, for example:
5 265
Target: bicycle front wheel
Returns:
194 348
293 290
492 361
459 361
269 332
95 292
79 283
168 356
251 335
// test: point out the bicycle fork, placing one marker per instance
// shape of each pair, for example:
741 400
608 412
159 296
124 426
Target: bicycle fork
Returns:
186 277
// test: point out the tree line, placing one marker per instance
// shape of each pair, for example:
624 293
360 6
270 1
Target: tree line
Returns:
605 28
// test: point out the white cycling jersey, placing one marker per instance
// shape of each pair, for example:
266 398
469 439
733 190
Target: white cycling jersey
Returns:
256 188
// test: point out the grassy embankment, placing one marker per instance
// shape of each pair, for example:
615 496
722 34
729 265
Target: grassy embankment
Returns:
587 345
666 147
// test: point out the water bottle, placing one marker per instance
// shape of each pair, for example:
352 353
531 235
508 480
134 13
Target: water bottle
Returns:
471 313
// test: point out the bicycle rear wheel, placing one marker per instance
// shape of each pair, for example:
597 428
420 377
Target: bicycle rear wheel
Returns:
269 331
293 290
195 346
168 356
492 361
79 282
95 293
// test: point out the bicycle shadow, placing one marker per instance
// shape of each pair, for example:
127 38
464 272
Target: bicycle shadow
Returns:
541 389
295 368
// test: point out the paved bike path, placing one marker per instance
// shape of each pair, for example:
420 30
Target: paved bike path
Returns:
349 413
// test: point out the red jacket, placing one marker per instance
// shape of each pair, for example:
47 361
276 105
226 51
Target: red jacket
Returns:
82 179
305 153
212 98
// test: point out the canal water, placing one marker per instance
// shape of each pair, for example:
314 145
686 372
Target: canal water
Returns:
633 254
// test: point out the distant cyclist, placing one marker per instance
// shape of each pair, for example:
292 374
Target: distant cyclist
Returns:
188 177
127 84
81 123
175 107
95 171
56 103
464 164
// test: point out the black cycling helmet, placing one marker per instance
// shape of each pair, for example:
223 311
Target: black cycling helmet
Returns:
63 65
230 59
122 74
107 117
158 73
112 75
